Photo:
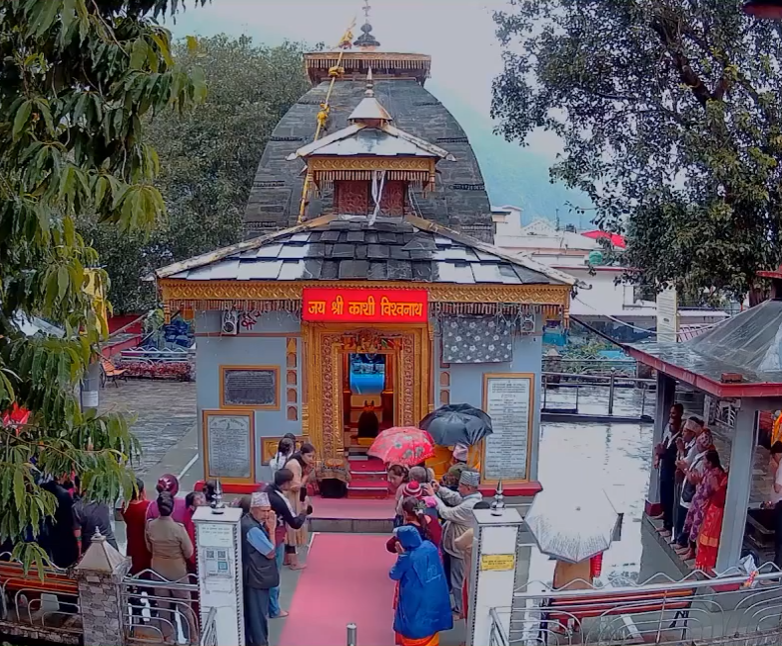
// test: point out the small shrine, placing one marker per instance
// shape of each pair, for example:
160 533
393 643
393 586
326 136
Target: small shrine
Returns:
379 301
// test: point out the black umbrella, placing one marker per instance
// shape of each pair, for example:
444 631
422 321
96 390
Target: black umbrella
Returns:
457 424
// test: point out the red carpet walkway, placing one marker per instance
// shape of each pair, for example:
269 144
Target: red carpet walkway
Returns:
346 581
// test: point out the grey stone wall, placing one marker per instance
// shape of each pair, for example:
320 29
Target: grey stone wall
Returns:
102 608
459 201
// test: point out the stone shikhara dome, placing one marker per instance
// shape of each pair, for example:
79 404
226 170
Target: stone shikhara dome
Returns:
459 199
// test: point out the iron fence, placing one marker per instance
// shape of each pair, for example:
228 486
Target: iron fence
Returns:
572 384
48 599
161 611
725 611
209 629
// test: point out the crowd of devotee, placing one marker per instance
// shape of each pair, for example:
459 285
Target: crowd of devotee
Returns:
432 541
693 487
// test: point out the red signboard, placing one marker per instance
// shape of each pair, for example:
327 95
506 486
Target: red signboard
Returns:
365 305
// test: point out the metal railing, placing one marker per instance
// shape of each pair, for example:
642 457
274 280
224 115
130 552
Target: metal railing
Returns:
568 382
209 629
728 610
625 367
161 611
169 355
48 600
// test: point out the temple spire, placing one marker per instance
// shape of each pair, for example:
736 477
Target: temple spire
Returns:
366 41
370 111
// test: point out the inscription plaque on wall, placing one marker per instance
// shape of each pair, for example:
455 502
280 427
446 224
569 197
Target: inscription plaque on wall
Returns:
228 439
250 387
508 399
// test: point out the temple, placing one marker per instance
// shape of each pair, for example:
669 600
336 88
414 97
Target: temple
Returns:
372 295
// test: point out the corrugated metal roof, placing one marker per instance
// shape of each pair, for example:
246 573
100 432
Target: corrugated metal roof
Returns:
351 248
747 344
369 109
374 142
383 141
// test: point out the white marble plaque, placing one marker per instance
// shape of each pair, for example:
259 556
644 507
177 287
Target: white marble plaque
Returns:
229 446
508 403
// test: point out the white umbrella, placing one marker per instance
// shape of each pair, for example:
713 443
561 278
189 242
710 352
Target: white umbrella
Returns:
571 525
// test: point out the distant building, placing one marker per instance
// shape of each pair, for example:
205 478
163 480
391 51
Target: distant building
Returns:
612 306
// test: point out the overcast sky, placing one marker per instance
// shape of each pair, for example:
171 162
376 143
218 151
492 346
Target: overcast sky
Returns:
458 34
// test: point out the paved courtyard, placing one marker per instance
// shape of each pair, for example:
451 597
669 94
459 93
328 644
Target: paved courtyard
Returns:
165 412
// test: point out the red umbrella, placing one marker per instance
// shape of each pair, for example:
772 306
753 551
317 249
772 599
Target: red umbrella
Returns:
15 416
614 238
405 446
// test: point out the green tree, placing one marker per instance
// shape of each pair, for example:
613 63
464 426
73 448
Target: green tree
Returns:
77 79
670 116
208 159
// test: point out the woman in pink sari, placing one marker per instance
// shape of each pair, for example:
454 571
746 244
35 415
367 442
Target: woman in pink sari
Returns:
715 481
700 501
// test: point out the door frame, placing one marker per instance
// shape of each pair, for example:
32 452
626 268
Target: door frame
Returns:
325 345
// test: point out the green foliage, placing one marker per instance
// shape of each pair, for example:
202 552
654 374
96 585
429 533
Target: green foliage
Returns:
208 159
670 116
78 78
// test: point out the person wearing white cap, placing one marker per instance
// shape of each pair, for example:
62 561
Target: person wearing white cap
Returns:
259 568
455 507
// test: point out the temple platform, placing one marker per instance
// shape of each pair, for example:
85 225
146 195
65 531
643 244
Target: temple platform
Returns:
352 516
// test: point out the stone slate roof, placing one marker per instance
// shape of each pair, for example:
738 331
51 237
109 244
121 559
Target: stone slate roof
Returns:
459 200
350 248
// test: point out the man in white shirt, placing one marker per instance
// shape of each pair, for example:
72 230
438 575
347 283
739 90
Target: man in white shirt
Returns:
685 445
695 463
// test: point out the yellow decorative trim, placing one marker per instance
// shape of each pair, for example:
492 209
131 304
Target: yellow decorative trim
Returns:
237 291
316 59
321 164
366 175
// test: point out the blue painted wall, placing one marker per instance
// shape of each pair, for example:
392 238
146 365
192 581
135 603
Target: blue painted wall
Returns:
244 350
467 382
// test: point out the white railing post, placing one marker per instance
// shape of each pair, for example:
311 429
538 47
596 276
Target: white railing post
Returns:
492 572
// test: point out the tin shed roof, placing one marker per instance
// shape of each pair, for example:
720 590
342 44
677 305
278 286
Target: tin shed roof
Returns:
748 347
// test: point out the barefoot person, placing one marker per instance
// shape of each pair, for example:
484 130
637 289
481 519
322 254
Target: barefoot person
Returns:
665 461
301 465
286 519
423 609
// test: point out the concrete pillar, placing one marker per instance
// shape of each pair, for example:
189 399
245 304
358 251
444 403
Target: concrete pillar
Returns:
666 396
742 456
492 572
103 611
219 554
90 387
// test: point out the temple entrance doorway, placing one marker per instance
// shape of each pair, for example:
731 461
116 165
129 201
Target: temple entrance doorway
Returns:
351 370
368 396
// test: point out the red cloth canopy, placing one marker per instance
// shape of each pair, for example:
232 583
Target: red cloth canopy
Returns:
615 238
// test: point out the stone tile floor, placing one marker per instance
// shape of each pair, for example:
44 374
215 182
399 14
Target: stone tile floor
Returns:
165 412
